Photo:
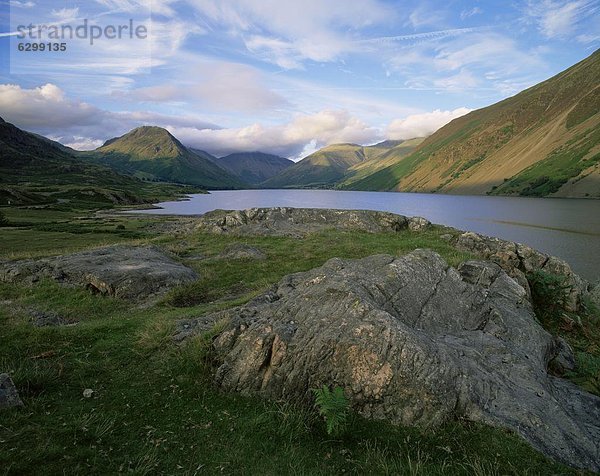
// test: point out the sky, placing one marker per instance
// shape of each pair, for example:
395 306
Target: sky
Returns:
280 76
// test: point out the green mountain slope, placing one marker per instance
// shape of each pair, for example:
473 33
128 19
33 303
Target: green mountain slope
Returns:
253 167
34 169
540 142
379 156
152 153
323 169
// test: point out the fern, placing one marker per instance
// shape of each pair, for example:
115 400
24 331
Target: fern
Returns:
333 407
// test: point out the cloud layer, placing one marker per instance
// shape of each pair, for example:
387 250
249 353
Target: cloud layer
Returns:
49 111
422 125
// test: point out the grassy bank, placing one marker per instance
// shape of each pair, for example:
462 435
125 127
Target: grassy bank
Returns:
153 409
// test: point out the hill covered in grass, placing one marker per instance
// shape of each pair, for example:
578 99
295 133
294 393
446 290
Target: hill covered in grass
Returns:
543 141
36 170
152 153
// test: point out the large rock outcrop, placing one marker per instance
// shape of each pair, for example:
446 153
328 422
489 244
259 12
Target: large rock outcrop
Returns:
123 271
287 221
519 260
412 341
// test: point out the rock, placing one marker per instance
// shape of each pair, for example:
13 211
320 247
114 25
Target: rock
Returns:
418 224
122 271
519 260
9 397
415 342
298 222
87 393
47 319
242 251
563 359
594 295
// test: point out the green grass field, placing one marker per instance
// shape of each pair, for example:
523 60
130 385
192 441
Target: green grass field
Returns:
154 409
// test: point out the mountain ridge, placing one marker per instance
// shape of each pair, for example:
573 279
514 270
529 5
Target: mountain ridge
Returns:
543 141
153 153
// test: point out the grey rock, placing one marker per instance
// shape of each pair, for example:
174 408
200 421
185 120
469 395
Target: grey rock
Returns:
122 271
9 397
242 251
47 319
594 295
298 222
418 223
563 359
518 260
415 342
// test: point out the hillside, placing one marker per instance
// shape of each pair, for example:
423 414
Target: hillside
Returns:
543 141
152 153
34 170
322 169
253 167
379 156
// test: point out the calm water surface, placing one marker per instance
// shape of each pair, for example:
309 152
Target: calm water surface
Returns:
566 228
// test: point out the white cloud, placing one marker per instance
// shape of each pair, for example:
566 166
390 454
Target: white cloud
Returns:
421 125
483 60
48 111
45 106
425 16
78 142
470 12
65 15
289 32
559 19
217 85
304 132
18 4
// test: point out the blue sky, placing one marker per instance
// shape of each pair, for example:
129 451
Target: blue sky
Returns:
283 76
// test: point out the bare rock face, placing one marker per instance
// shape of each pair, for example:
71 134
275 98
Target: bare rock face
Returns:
415 342
122 271
518 260
301 221
9 397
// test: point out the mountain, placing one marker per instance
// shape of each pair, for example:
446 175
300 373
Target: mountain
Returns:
253 167
322 169
379 156
34 169
544 141
152 153
340 165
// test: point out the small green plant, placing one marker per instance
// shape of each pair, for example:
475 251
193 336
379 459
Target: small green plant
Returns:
3 219
587 373
333 407
549 293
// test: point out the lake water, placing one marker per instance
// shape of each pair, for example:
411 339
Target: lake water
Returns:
567 228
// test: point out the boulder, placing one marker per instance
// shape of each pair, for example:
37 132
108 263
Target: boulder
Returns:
519 260
123 271
412 341
9 397
297 222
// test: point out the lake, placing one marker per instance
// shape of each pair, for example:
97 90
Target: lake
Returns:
567 228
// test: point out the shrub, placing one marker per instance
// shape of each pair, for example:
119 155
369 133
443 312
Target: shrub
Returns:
549 293
333 407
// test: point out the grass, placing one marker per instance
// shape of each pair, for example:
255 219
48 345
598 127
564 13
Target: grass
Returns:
154 409
548 175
